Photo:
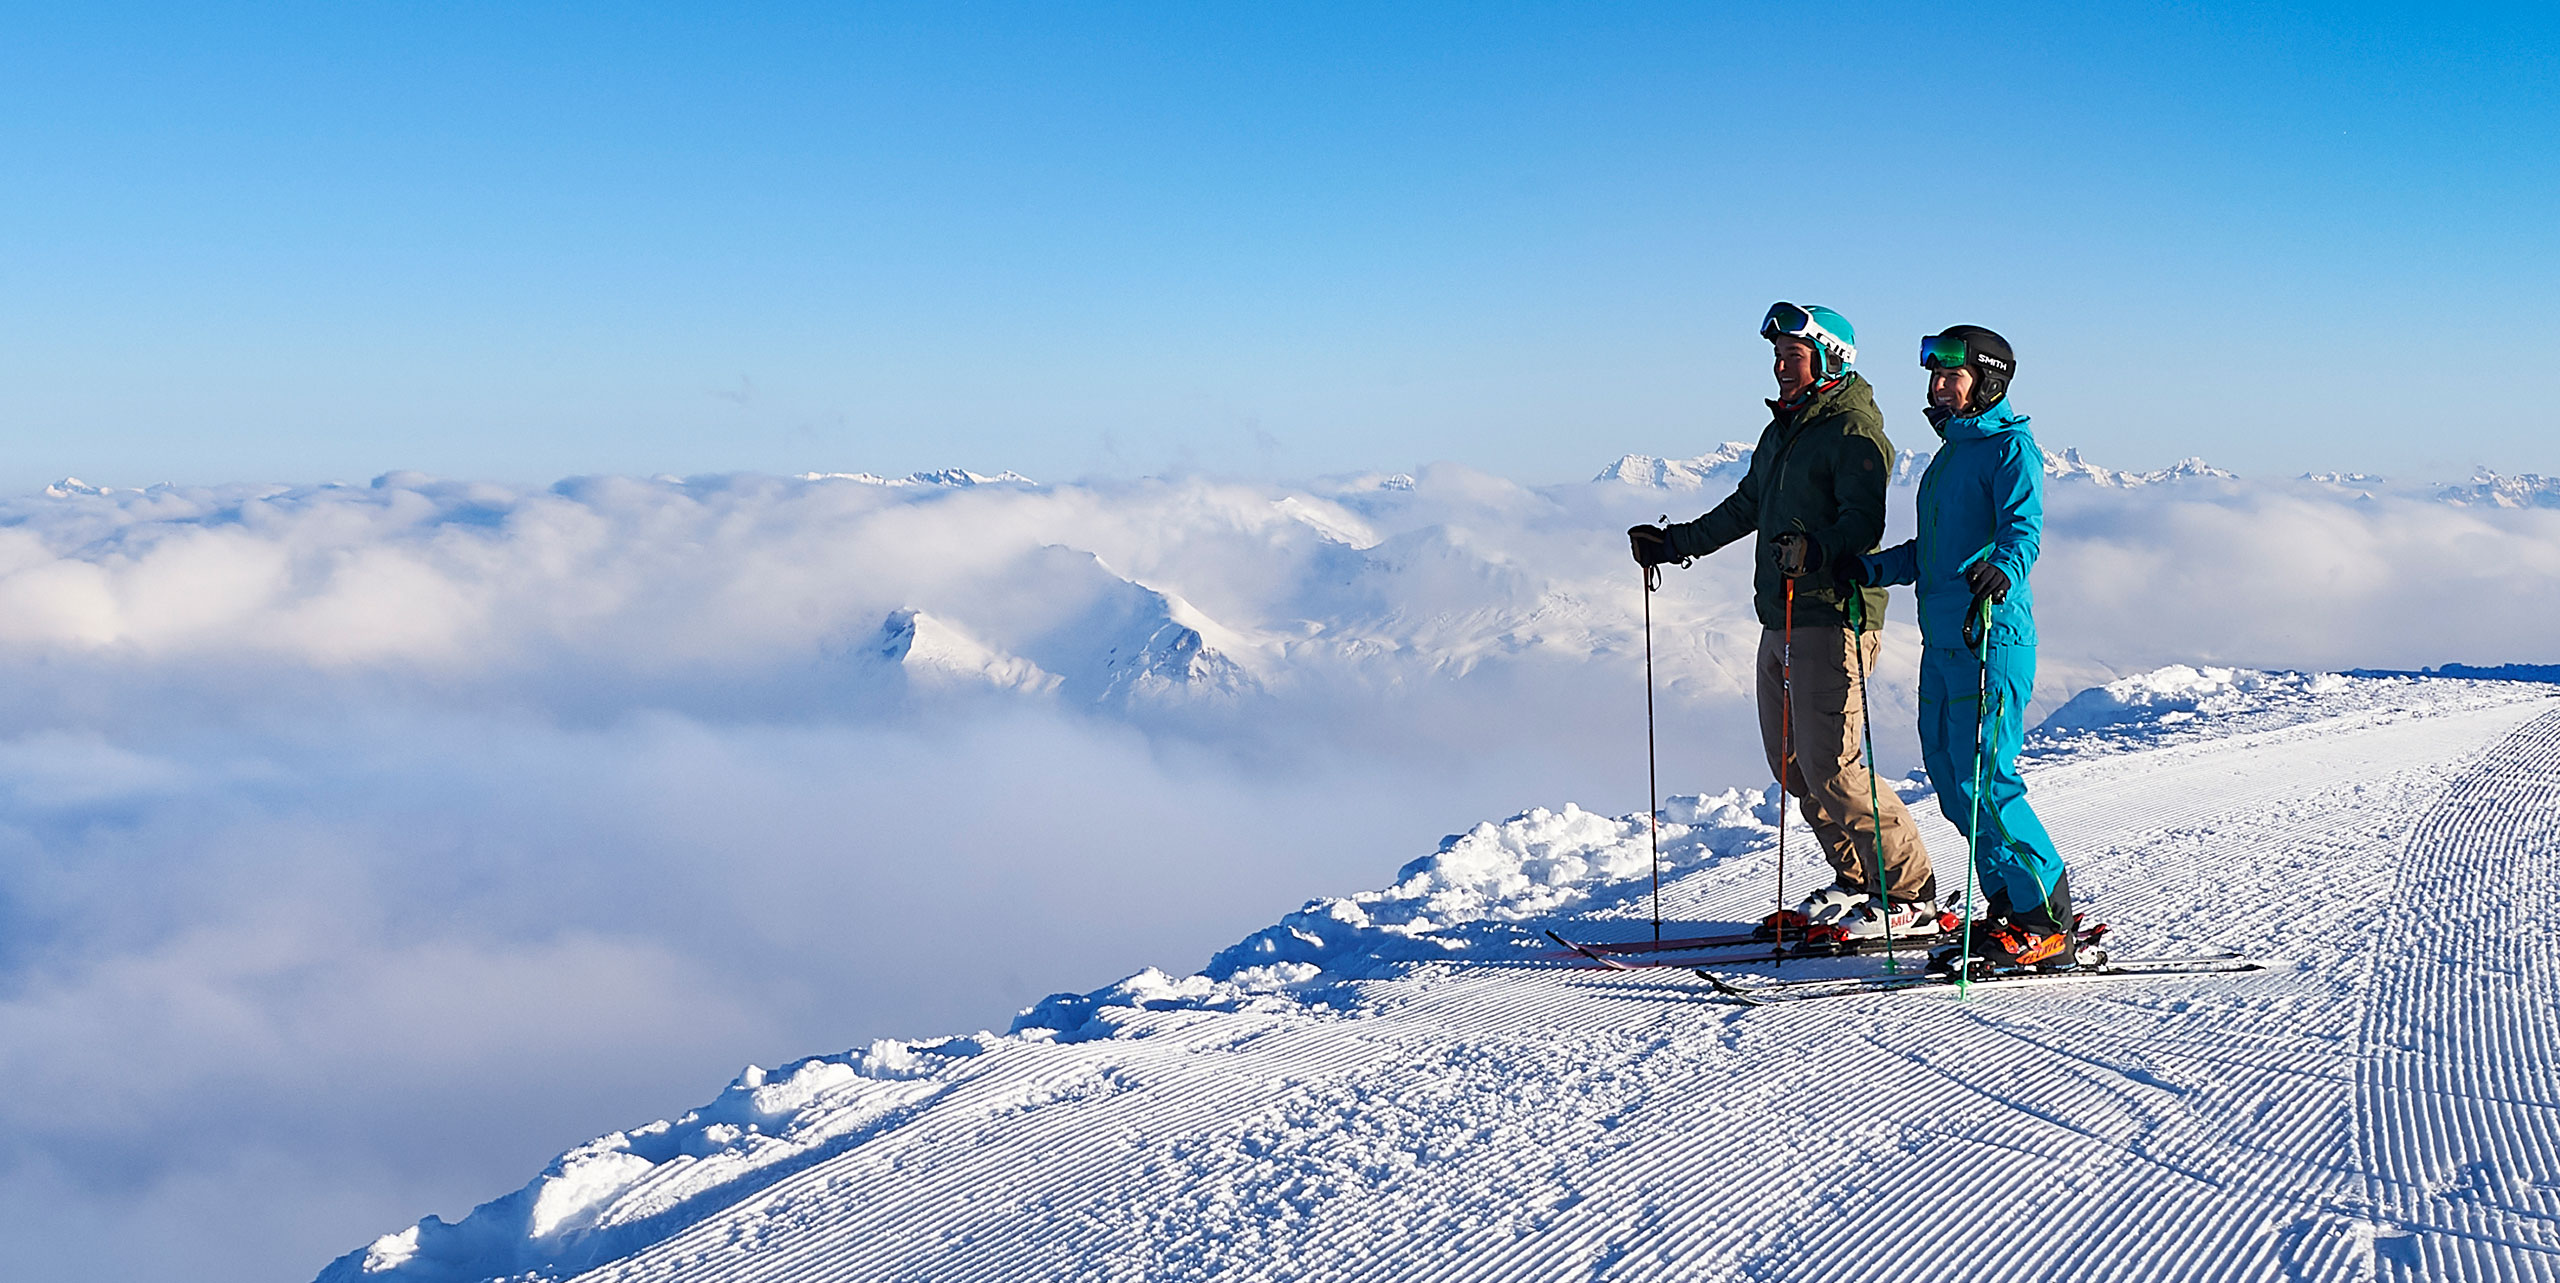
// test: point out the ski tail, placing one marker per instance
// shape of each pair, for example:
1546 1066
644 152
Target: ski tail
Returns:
1590 952
2108 969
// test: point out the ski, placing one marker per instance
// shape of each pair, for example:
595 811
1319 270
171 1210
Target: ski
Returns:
1615 953
1762 950
1781 991
1826 943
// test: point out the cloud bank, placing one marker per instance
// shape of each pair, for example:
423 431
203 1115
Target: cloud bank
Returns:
328 810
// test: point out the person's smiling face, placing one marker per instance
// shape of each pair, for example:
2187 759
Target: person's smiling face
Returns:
1793 363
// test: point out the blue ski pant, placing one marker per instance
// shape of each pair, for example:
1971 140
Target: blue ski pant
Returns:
2014 858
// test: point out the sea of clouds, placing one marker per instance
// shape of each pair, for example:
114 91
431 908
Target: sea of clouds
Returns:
363 845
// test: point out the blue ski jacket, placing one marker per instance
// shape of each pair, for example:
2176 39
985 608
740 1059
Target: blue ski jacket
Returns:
1983 495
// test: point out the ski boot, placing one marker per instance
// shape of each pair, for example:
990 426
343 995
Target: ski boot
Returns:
2016 946
2088 949
2045 937
1821 909
1913 920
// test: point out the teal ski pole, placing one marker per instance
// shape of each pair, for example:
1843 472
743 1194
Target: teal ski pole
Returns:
1867 746
1973 834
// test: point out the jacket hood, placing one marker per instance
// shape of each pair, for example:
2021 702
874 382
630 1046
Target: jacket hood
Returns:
1975 427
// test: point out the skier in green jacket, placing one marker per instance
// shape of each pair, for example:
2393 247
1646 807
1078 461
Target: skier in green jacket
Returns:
1812 499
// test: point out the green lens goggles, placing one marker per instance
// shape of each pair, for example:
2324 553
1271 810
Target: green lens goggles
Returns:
1942 352
1790 320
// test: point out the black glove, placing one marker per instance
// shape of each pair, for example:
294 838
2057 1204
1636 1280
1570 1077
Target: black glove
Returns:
1798 554
1987 580
1650 544
1850 574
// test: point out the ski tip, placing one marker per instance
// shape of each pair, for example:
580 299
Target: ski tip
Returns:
1727 989
1587 952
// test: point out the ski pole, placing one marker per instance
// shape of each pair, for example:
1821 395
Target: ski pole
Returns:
1652 779
1867 746
1786 749
1973 834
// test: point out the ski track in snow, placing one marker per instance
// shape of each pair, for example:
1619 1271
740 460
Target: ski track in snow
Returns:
2458 1094
2379 1104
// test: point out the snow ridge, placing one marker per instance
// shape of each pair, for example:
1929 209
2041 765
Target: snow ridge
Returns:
1726 464
622 1191
935 653
2069 466
959 478
1480 898
2490 489
1721 466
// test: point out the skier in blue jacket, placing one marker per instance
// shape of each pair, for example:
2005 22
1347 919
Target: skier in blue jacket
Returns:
1981 515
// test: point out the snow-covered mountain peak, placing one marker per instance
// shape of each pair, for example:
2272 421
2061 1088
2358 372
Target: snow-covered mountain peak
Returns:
952 477
2069 466
1727 463
1127 642
1160 655
2495 490
1330 521
1724 465
935 652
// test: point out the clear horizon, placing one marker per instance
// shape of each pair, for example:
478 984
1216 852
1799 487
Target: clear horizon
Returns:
486 242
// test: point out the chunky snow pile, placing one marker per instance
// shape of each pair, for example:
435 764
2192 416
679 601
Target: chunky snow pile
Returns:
624 1190
1481 898
1477 894
2177 694
2180 703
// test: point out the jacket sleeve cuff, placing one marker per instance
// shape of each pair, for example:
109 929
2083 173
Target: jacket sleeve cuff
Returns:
1899 564
2012 562
1690 539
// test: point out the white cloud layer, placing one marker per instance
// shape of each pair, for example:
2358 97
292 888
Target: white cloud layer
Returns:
364 845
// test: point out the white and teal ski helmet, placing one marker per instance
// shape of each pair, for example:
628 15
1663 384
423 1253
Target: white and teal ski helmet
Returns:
1826 330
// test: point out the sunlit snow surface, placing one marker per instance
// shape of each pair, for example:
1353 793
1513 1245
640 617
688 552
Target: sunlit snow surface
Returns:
1407 1082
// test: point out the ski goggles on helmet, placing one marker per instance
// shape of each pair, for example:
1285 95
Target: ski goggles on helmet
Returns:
1790 321
1944 352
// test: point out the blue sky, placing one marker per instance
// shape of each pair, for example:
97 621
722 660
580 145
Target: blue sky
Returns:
327 241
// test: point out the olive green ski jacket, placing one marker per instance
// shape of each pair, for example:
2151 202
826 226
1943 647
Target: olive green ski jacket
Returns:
1819 470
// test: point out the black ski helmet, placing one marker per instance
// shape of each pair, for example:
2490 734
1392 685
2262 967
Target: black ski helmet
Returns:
1985 353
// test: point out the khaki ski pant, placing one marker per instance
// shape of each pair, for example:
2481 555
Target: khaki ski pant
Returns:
1830 775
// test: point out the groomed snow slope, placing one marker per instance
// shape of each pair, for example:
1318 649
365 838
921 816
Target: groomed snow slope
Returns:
1404 1084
